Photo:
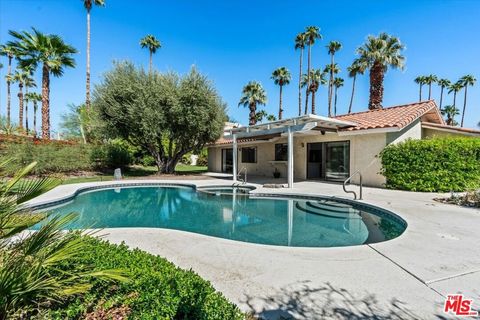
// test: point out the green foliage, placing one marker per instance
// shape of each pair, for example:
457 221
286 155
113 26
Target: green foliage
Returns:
29 275
51 157
157 290
439 164
166 115
148 161
111 155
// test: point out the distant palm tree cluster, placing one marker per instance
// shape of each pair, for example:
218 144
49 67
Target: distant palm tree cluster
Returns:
449 111
35 49
377 54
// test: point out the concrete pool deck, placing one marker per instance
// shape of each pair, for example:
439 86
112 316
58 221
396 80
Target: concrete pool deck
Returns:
404 278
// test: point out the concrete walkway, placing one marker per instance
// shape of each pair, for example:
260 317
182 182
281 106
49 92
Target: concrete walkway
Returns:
404 278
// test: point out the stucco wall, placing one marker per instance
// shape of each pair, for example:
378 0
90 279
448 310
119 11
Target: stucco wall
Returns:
364 150
430 133
412 131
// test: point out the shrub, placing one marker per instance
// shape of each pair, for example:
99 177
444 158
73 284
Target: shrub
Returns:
148 161
51 157
157 289
111 155
438 164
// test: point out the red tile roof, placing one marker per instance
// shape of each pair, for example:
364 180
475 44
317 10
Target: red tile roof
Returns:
391 117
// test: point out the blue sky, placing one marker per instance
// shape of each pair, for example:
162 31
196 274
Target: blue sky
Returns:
233 42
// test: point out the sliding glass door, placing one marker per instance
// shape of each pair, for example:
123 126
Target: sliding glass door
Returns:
328 160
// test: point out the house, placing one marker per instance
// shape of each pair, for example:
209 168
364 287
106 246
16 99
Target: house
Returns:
330 149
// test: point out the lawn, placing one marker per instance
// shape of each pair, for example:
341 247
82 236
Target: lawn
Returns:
137 171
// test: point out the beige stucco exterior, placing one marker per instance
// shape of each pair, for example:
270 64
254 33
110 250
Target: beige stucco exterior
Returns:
365 148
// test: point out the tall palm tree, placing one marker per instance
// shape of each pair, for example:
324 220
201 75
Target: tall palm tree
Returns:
152 44
300 42
455 88
35 98
19 77
312 33
443 83
420 80
8 51
468 80
355 69
332 47
52 53
338 82
88 4
450 112
317 78
281 77
430 79
29 82
253 94
379 53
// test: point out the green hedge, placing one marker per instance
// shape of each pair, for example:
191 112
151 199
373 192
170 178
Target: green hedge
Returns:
65 158
157 289
438 164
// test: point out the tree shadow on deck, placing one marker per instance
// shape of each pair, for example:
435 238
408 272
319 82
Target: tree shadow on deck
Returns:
302 301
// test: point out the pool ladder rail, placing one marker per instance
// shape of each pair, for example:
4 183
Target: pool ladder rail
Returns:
244 180
351 191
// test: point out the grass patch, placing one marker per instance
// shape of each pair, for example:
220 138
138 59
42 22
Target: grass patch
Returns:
188 169
157 289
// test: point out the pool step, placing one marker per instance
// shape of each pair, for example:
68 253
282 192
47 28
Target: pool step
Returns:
351 214
331 206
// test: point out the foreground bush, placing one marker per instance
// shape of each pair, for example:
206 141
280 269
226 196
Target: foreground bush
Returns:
439 164
29 266
111 155
157 290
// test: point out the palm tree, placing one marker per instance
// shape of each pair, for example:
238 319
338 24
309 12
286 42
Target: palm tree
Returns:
443 83
19 77
253 94
317 78
281 77
152 44
312 33
29 82
468 80
450 112
420 80
52 53
88 4
8 51
379 53
355 69
338 82
35 98
430 79
300 42
455 88
332 47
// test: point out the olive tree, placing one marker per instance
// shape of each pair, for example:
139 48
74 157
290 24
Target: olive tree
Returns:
167 115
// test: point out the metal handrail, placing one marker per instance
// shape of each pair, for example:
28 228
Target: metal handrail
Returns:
351 191
244 177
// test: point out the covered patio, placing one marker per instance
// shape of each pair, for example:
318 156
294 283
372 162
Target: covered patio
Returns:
303 125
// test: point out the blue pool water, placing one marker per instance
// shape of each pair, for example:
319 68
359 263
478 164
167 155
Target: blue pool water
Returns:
223 214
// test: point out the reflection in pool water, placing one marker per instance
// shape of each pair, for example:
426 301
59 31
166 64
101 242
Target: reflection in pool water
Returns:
273 221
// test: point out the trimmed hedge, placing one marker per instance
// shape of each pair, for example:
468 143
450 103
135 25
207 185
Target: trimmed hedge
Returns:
157 289
438 164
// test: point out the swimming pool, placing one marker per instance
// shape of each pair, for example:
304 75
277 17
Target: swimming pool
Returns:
261 219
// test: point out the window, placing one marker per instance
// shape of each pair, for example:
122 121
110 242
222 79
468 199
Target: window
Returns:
249 155
281 152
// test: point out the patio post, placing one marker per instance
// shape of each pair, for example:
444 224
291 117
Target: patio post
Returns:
290 158
235 150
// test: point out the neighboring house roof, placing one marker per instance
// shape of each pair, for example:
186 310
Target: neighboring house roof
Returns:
393 117
444 127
